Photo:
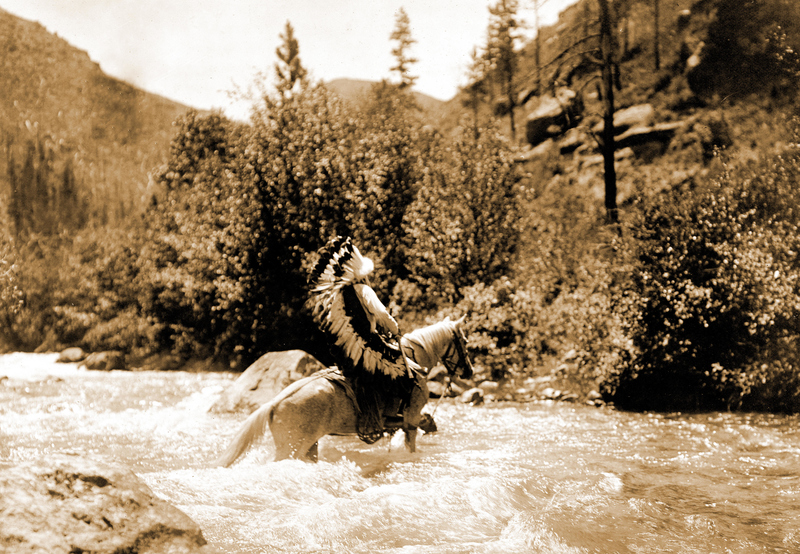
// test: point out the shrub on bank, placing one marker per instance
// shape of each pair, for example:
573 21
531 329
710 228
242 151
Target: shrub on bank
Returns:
501 325
463 227
713 301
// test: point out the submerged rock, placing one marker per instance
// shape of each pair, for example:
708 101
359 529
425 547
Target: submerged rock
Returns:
436 389
265 378
71 504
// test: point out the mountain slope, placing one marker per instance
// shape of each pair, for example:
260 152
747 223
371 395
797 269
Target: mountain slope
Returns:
54 95
356 89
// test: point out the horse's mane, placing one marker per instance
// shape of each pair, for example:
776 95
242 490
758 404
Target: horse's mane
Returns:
433 338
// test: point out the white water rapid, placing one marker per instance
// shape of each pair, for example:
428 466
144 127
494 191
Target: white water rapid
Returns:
502 478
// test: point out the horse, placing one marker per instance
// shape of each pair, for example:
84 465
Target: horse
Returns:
316 406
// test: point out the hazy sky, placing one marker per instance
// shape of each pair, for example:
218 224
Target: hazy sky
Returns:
197 51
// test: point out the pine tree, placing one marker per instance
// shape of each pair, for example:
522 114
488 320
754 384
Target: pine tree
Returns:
608 146
476 92
656 34
501 53
289 69
402 35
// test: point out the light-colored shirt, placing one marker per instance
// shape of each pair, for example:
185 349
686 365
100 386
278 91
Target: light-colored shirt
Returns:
376 312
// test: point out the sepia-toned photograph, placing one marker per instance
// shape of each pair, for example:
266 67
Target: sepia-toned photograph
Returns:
399 276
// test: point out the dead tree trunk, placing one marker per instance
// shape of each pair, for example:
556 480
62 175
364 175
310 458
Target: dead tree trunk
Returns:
608 147
656 37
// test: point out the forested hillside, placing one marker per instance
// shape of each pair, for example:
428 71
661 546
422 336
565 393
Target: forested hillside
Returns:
77 144
612 206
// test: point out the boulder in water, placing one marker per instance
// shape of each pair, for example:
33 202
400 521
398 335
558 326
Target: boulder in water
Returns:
268 375
474 396
71 355
105 360
73 504
436 389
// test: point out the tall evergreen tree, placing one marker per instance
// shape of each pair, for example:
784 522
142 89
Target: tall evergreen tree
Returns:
537 44
608 145
476 91
402 36
657 34
289 69
502 54
600 51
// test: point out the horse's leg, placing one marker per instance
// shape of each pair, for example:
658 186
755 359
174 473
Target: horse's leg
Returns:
411 437
313 453
413 414
289 441
299 421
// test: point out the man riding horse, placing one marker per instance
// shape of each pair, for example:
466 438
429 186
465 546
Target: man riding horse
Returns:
365 336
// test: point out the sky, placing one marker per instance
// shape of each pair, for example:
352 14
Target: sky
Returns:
198 52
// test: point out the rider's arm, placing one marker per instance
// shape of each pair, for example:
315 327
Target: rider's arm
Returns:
376 311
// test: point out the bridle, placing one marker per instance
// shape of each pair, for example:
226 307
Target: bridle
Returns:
457 348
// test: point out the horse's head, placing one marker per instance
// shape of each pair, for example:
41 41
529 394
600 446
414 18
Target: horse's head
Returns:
456 359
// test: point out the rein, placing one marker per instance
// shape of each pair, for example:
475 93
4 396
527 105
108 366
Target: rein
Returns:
454 348
451 370
439 400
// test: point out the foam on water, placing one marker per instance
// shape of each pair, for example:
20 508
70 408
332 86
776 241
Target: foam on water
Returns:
495 479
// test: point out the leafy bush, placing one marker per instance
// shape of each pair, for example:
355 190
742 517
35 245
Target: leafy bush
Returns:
501 325
714 294
299 158
463 227
110 282
195 261
389 162
244 208
757 44
10 294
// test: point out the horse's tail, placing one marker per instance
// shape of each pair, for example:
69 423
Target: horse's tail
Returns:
252 429
256 424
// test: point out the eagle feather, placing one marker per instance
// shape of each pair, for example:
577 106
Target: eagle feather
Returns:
350 312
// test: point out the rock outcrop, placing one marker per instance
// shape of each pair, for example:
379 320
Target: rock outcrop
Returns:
553 116
71 355
69 504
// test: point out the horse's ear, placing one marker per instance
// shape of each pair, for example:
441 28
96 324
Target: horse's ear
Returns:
460 320
447 319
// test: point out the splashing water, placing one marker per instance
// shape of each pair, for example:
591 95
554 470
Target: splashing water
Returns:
502 478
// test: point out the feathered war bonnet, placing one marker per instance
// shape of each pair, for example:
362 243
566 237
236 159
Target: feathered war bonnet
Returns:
361 266
340 262
338 310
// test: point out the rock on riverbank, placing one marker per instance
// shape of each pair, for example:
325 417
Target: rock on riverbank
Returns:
69 504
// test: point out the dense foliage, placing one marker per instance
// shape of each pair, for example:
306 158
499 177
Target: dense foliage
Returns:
691 303
712 304
464 224
754 45
216 266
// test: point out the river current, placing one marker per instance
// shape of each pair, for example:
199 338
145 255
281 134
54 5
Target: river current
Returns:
500 478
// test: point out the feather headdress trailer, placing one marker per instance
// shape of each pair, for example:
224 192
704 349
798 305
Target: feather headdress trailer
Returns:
346 308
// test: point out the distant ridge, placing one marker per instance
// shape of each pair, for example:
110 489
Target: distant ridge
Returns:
354 89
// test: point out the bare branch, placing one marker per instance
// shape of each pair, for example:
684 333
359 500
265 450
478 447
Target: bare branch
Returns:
566 53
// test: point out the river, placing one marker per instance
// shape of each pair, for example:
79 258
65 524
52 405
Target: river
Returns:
500 478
